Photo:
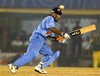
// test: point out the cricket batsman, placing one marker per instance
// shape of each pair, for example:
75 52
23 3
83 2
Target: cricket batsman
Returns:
38 44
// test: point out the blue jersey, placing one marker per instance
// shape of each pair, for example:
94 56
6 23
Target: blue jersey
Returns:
44 26
38 45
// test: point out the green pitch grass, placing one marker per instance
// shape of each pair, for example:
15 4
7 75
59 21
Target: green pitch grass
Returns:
52 71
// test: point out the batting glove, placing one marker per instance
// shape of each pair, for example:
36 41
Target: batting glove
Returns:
62 40
66 36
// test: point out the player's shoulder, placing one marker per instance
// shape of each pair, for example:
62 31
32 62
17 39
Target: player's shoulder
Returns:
49 17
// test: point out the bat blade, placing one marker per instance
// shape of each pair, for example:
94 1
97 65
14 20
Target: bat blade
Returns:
83 30
88 29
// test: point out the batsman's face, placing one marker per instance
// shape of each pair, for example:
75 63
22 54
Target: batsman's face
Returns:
57 17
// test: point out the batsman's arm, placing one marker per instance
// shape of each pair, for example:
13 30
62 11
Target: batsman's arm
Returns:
56 31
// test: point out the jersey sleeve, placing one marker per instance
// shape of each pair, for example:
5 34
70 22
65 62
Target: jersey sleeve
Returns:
50 22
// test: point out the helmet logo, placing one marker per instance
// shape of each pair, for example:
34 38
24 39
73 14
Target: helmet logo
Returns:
58 9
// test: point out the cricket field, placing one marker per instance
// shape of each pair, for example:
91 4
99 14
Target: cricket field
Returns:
52 71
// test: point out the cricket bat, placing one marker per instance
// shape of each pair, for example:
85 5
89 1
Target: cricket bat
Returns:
80 31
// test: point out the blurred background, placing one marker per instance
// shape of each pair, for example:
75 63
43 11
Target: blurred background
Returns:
19 18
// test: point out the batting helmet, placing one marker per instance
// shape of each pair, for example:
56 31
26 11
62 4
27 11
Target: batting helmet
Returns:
57 10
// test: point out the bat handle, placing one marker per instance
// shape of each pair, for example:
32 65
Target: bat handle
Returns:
60 38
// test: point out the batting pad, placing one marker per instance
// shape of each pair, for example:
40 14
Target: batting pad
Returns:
52 58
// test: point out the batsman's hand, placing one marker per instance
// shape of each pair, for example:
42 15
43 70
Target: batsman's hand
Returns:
48 33
64 36
62 40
